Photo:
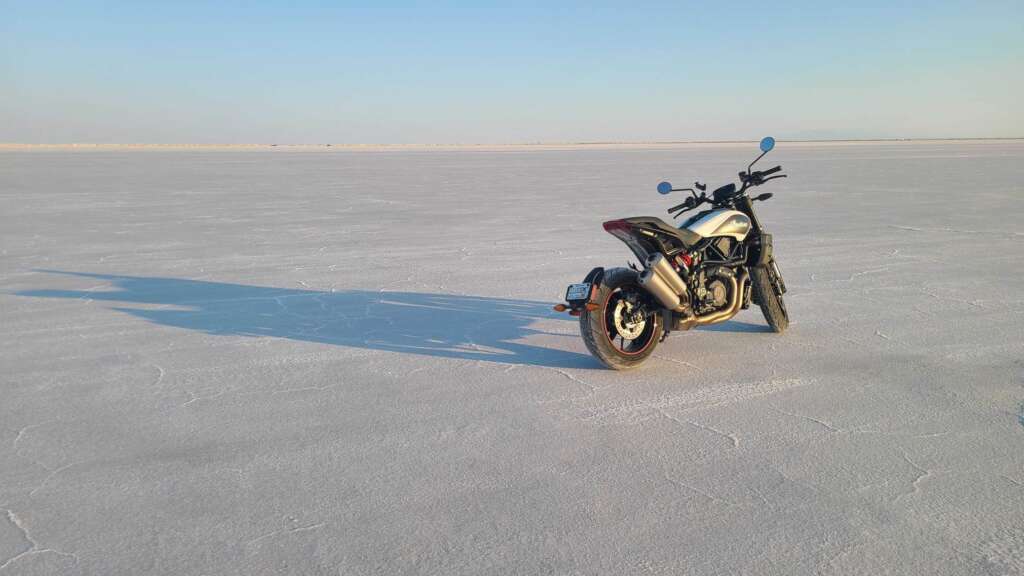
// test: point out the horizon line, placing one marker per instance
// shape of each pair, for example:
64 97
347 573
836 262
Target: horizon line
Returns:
479 144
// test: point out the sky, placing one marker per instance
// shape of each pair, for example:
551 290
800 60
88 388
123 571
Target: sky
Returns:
186 71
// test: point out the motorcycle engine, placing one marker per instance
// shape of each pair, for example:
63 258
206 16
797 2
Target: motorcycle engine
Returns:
717 293
711 295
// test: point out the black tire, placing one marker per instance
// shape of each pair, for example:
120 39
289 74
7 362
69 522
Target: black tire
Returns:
769 298
595 325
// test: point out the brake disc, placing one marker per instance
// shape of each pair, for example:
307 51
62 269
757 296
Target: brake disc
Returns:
624 325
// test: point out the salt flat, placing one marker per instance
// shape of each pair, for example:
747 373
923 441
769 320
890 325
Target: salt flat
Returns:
324 361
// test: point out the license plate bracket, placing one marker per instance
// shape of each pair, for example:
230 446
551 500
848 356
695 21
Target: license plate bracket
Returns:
578 292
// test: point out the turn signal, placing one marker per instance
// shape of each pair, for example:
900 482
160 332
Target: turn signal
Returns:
560 308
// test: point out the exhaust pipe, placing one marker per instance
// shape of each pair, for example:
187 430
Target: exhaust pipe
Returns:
660 290
663 269
663 283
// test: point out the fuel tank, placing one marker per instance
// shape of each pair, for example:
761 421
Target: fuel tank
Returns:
719 223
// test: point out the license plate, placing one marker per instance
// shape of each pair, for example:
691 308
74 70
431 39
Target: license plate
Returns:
578 292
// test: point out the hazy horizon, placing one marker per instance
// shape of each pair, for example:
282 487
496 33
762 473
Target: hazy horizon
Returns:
454 145
310 72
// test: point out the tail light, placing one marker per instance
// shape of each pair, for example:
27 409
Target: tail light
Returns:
613 225
618 228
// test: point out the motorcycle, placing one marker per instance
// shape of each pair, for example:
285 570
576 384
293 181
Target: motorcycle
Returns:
714 264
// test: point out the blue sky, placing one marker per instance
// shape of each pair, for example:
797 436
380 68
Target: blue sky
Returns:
478 72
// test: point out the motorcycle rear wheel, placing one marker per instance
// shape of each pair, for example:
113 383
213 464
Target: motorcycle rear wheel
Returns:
606 330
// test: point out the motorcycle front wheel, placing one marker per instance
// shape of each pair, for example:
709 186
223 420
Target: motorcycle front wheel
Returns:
768 294
614 332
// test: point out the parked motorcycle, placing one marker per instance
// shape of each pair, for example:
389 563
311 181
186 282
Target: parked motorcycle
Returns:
703 272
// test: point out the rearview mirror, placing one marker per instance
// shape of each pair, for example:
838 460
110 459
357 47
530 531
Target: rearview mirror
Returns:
767 143
664 188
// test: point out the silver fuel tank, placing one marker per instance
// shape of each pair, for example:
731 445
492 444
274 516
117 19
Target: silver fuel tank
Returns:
720 223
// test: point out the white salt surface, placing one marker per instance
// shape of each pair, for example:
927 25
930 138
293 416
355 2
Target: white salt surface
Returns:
345 362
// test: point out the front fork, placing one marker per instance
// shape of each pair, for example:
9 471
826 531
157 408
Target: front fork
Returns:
776 276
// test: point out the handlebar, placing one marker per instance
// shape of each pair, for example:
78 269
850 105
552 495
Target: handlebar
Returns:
755 178
689 204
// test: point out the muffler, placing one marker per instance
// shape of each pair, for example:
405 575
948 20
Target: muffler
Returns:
664 270
664 283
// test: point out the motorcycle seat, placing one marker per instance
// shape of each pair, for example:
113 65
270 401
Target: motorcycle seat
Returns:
686 236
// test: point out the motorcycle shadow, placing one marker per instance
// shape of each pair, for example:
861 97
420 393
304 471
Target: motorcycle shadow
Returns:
440 325
734 326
